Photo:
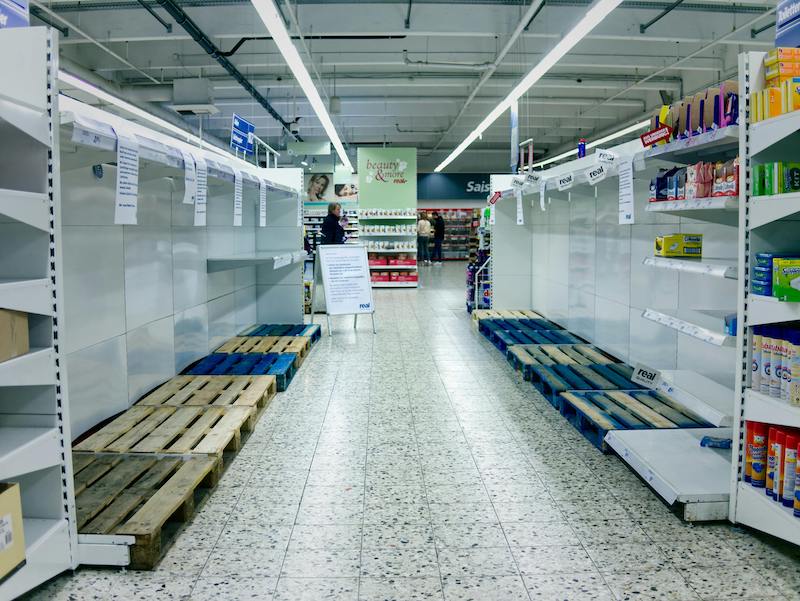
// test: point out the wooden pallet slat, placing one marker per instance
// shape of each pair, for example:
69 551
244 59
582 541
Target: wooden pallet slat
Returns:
207 391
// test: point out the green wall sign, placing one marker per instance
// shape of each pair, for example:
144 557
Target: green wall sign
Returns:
387 178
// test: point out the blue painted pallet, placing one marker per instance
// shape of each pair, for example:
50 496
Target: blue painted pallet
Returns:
507 332
552 380
595 413
313 330
280 365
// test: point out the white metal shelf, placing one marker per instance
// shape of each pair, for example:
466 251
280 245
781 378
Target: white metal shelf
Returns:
32 123
25 450
392 251
688 328
381 235
47 553
703 396
29 208
30 296
710 267
277 258
754 508
716 209
768 133
767 209
694 149
392 218
768 309
759 407
395 284
393 267
35 368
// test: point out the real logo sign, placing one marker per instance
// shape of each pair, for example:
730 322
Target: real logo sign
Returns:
365 305
565 182
595 174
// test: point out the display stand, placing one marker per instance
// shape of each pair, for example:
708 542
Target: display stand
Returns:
34 407
344 270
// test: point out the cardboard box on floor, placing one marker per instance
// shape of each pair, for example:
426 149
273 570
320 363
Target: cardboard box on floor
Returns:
12 538
13 334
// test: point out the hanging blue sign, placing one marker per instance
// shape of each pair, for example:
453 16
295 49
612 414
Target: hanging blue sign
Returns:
241 134
14 13
453 186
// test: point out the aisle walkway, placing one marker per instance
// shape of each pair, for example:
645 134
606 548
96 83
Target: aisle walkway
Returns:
415 465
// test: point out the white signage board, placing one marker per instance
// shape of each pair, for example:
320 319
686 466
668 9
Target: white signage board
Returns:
626 192
127 195
345 278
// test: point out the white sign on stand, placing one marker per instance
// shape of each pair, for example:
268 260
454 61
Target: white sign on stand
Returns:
346 280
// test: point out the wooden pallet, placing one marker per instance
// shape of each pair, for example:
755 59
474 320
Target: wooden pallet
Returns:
299 345
214 391
595 413
525 356
280 365
552 380
140 496
507 332
312 331
173 430
479 314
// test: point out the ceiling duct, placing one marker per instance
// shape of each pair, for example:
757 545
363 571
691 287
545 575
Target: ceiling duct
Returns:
193 97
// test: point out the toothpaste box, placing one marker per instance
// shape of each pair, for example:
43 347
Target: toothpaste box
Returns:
786 279
679 245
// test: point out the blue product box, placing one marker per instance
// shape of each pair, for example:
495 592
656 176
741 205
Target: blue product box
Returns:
761 288
787 25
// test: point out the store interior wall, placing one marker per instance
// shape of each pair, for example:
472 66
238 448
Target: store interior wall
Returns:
586 273
139 303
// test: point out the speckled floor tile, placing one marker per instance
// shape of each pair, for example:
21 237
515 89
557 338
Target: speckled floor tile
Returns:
417 562
626 557
234 589
325 536
698 554
242 562
729 582
539 534
320 563
464 536
397 536
461 513
568 587
493 588
400 589
664 584
316 589
496 561
533 561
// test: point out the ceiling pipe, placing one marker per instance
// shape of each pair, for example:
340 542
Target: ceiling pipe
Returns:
197 34
446 65
523 23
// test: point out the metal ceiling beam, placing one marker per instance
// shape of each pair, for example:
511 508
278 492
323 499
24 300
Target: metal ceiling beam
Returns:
197 34
645 26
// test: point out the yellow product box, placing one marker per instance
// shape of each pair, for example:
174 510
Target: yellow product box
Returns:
782 54
679 245
782 69
12 538
790 90
773 103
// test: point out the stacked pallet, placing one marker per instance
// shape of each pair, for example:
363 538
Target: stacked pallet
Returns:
504 333
312 331
297 345
279 365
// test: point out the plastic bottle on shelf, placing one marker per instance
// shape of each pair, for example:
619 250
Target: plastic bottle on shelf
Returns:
789 350
770 484
776 368
758 451
755 375
794 376
766 359
777 473
789 470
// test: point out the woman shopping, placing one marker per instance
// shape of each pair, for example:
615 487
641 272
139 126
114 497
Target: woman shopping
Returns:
423 239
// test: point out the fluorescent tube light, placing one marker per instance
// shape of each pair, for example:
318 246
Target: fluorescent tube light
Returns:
272 20
593 17
617 134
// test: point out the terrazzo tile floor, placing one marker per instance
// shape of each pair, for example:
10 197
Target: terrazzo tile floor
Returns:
415 465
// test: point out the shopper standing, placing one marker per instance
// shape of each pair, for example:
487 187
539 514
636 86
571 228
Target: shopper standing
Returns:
438 237
423 239
332 231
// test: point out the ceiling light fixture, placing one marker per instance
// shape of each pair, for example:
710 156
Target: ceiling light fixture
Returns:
593 17
617 134
273 21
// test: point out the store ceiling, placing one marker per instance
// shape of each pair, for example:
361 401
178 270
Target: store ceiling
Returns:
404 85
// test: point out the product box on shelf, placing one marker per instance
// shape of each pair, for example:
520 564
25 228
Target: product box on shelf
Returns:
786 279
771 454
403 260
13 334
699 180
380 276
376 260
679 245
404 276
12 537
726 178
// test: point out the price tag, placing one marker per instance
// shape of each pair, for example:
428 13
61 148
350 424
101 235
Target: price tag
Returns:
520 213
596 174
646 376
202 191
237 197
565 182
517 183
262 203
542 193
532 179
281 261
606 157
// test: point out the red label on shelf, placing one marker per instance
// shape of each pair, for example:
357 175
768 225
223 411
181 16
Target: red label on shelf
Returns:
656 135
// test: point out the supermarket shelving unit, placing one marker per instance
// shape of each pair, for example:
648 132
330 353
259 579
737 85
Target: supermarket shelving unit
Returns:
312 220
457 231
367 218
34 408
766 224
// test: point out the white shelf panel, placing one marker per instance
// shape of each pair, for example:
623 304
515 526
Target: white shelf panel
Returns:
766 209
768 309
33 123
47 555
395 284
279 259
759 407
393 267
32 369
690 329
395 218
26 450
772 131
697 147
709 267
717 209
393 251
708 399
674 464
30 296
26 207
754 508
375 235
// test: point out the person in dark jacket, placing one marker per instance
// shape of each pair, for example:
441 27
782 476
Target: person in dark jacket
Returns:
332 231
438 238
